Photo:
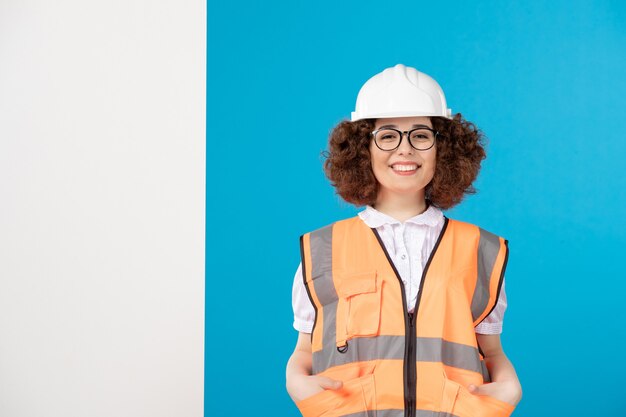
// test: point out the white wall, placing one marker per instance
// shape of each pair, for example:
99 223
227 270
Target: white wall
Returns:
102 201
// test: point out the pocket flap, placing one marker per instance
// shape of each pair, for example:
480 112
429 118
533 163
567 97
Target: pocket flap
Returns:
358 283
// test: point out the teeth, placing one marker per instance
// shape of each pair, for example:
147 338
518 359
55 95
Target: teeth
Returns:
404 167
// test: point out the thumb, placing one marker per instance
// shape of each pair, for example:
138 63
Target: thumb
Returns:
328 383
484 389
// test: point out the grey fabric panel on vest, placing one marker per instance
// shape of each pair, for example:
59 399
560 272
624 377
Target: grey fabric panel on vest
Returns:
377 413
392 347
322 276
321 250
398 413
488 249
485 371
432 349
387 413
428 413
360 349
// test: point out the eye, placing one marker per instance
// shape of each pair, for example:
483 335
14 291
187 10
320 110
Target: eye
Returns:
422 134
386 135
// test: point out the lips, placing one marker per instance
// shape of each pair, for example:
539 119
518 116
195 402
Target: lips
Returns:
404 170
405 166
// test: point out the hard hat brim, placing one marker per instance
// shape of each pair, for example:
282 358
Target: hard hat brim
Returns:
389 115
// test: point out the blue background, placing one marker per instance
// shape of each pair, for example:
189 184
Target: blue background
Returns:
546 83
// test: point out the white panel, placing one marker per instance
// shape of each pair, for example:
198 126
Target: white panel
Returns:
102 201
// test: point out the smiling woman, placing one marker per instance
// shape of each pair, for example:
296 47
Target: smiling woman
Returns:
400 278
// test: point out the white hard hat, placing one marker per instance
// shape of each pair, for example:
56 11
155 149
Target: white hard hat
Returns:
398 92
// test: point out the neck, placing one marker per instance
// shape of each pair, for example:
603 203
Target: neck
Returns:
401 206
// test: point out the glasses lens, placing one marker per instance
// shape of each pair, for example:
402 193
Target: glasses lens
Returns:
387 139
422 138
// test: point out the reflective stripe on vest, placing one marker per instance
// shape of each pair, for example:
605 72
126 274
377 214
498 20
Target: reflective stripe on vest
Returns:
362 334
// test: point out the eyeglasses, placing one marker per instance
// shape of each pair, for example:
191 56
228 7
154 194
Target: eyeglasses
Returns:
389 139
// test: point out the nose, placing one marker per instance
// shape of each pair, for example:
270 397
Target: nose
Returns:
405 146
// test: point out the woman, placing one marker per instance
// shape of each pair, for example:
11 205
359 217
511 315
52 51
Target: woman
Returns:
406 303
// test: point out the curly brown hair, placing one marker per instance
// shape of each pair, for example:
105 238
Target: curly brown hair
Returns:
460 150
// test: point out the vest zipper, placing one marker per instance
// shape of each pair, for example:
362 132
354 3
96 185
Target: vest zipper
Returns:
410 360
409 348
410 355
411 365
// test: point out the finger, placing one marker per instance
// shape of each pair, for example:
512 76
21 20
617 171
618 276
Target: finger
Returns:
328 383
484 389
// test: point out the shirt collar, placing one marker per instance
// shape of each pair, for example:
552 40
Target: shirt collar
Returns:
374 218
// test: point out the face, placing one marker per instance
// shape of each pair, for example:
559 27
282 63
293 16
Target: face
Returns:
387 164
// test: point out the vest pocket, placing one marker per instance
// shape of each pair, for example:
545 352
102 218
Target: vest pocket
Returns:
356 395
360 293
458 401
449 395
500 408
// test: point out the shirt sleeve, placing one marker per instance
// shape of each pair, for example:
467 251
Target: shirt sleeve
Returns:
303 310
492 324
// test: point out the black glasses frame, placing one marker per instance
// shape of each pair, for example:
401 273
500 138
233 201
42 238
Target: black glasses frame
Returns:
408 136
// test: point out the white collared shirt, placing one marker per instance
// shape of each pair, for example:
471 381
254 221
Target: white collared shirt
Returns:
409 245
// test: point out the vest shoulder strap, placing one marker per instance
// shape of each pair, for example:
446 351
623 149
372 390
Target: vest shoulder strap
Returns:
492 257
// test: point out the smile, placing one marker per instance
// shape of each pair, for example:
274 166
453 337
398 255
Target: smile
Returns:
405 167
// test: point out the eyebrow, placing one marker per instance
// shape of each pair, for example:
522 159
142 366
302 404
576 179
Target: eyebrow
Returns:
396 126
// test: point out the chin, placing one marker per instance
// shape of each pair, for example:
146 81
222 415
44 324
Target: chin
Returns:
407 190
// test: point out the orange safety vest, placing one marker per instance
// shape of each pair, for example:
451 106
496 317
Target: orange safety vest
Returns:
394 363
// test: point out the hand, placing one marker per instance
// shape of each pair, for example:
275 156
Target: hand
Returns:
507 391
305 386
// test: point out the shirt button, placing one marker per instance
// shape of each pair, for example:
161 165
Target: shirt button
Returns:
403 256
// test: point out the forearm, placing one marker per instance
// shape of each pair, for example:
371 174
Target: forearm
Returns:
504 383
500 368
299 363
